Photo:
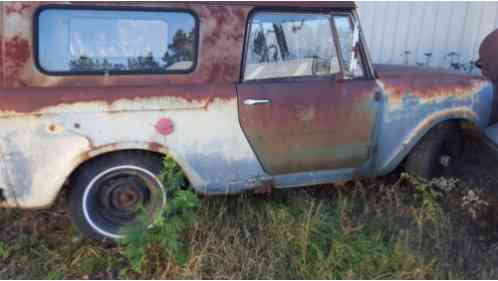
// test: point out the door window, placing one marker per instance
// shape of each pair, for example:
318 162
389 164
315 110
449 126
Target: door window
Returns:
287 45
349 39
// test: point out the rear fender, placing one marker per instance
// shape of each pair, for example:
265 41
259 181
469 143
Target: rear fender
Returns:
141 146
36 158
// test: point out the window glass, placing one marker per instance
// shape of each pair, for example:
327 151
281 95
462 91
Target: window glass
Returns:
348 38
71 40
290 45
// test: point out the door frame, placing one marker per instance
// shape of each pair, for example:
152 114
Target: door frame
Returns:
368 69
295 179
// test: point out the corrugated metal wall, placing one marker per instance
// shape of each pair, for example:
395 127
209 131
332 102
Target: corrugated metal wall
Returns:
407 32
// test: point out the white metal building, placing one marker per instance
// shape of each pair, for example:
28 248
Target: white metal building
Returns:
421 32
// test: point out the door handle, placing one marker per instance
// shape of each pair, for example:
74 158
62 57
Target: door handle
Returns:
256 102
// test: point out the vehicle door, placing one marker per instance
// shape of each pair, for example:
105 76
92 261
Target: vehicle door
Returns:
306 100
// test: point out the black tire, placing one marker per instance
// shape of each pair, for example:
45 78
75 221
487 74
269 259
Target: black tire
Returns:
113 191
435 153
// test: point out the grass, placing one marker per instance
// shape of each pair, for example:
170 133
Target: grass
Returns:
392 228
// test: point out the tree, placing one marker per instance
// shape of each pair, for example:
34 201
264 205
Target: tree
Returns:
181 48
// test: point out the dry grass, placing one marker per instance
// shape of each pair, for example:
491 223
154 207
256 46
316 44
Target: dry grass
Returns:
402 229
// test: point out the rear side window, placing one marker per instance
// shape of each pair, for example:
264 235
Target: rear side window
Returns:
84 41
284 45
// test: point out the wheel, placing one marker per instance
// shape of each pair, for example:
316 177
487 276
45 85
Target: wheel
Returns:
435 154
116 191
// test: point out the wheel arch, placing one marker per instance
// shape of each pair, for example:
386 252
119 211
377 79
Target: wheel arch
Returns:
103 151
466 119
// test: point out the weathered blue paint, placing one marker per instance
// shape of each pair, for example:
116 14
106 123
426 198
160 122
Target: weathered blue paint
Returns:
401 127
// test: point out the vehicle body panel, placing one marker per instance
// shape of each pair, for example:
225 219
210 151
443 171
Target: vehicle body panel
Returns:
416 99
311 125
222 157
216 33
53 124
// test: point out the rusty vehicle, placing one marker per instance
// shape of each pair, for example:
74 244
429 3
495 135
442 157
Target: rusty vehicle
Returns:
243 96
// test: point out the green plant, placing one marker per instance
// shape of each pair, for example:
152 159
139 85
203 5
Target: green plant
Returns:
428 195
318 239
4 250
55 275
427 211
165 232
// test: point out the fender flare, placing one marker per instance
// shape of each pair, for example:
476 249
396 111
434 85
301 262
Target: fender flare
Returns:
143 146
418 132
94 152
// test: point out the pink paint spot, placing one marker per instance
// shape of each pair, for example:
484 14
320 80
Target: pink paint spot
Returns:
164 126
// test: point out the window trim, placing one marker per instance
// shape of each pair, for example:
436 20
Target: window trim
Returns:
366 74
42 8
251 15
367 61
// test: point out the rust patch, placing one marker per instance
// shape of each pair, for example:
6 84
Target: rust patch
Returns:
154 146
426 83
1 59
17 54
221 41
218 60
164 126
98 150
219 54
17 7
17 50
303 128
29 100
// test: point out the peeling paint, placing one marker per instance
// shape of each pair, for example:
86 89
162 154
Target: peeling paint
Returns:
80 99
425 85
313 132
17 7
309 125
17 52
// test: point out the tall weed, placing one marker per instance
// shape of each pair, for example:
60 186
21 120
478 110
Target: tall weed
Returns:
163 235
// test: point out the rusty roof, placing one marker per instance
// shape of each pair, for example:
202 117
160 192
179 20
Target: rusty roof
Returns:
347 5
308 4
303 4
